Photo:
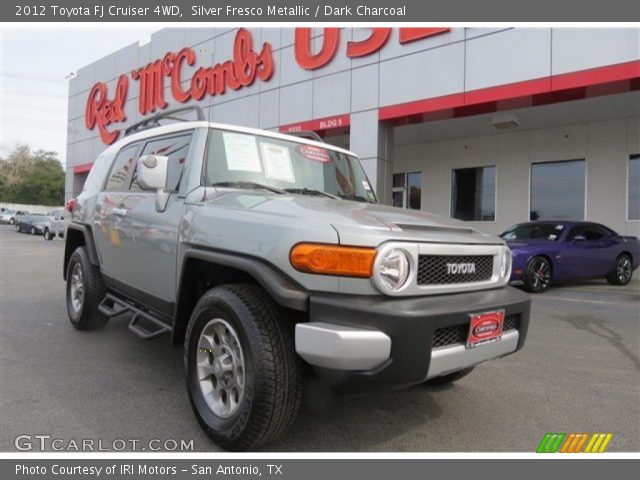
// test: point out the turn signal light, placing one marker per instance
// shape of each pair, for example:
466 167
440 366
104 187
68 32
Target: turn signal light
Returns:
333 259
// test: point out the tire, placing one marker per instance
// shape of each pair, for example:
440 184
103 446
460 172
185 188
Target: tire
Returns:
267 391
33 231
538 275
622 271
83 312
11 221
450 378
48 235
18 228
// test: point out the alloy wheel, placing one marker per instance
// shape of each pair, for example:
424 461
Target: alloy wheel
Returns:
221 368
623 269
540 275
77 288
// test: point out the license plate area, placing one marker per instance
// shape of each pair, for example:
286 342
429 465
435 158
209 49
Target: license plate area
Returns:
485 327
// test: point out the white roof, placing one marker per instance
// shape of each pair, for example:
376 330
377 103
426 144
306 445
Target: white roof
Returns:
181 126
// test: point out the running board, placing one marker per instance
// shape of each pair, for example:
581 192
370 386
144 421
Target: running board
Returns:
143 323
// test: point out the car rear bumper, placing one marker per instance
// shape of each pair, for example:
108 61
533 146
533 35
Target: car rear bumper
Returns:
362 342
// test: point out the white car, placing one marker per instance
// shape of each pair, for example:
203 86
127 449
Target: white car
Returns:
9 216
55 225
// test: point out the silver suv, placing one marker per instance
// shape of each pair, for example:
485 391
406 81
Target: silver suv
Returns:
268 257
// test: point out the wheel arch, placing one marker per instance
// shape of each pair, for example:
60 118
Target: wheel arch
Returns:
78 235
204 269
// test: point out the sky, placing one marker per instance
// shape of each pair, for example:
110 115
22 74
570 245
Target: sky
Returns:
33 88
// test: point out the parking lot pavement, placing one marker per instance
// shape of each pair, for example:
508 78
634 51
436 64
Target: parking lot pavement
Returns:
578 372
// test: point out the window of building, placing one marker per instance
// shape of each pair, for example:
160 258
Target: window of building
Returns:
473 194
557 190
633 195
174 147
407 190
121 169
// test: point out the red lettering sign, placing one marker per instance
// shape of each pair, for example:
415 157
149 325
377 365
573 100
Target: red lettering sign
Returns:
242 71
245 66
302 48
103 112
331 40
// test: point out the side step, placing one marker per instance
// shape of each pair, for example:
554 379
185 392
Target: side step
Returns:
143 324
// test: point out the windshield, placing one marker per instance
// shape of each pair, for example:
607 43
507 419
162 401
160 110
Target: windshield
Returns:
248 161
534 231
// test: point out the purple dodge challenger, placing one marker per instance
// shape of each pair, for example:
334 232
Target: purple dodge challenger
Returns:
557 251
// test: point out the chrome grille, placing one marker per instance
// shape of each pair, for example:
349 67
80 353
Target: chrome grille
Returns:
432 269
457 334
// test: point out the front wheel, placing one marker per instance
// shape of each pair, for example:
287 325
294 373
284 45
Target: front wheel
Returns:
48 235
11 221
622 272
538 275
243 375
33 231
85 291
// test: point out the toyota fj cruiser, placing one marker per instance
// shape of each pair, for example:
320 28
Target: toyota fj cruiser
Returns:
266 255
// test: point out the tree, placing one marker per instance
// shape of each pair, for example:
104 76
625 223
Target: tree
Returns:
31 177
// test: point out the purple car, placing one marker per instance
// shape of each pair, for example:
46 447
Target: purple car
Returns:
550 251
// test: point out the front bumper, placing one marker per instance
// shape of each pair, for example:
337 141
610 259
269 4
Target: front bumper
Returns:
359 342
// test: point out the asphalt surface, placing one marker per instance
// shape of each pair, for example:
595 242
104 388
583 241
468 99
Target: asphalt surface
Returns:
578 372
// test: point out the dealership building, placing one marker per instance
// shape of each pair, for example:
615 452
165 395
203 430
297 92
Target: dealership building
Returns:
489 125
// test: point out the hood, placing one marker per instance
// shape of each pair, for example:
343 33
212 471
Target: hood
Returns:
357 223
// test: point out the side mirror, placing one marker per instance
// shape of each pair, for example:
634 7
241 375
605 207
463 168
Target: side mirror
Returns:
152 172
579 238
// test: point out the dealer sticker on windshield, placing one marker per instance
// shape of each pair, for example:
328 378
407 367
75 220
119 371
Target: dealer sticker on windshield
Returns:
485 327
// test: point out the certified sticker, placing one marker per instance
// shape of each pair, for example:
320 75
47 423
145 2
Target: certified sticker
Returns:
485 328
314 153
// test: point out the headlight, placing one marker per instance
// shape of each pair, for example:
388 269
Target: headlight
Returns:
505 262
391 270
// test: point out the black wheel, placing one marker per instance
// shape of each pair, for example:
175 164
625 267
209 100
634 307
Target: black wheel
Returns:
538 275
32 231
85 291
48 235
452 377
622 271
243 375
18 228
11 221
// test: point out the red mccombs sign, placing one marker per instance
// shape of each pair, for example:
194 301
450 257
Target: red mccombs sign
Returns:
242 70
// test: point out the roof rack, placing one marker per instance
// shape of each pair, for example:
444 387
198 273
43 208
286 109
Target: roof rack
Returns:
308 134
154 121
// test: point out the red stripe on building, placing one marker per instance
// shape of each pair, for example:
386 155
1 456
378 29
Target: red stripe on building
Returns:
82 168
607 80
334 125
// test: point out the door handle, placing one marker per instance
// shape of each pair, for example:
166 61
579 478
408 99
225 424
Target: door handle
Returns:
120 212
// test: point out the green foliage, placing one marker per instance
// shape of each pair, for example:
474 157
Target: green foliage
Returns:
31 177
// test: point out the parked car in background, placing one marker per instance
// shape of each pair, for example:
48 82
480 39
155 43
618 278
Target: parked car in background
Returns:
32 223
547 252
55 225
9 216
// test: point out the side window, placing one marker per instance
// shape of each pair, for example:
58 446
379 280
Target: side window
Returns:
121 169
174 147
590 232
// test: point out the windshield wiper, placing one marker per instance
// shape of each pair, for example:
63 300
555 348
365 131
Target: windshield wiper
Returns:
355 198
309 191
249 185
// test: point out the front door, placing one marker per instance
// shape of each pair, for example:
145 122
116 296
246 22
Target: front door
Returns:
155 234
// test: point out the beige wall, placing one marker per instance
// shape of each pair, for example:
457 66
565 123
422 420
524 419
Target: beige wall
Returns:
605 146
